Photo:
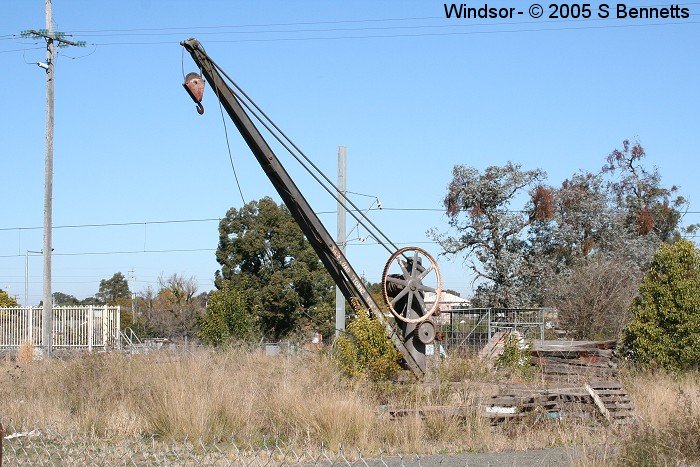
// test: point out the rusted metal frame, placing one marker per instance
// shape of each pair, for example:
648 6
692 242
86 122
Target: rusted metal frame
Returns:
328 252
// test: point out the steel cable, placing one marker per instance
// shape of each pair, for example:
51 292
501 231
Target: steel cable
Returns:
264 118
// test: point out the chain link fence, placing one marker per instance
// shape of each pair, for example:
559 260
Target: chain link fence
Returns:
49 447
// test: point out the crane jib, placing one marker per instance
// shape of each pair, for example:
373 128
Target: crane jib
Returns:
330 255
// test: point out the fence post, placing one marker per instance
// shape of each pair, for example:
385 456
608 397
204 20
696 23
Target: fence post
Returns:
490 321
542 325
30 323
119 329
2 435
105 326
91 327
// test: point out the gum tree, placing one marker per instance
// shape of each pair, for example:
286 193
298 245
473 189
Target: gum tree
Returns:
488 230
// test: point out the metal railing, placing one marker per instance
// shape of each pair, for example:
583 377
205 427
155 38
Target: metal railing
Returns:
80 327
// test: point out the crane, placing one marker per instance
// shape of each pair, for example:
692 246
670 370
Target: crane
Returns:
409 273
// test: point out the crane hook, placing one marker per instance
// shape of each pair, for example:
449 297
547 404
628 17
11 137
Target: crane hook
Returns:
194 85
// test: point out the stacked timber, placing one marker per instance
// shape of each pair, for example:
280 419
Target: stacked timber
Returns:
612 400
597 400
576 360
512 403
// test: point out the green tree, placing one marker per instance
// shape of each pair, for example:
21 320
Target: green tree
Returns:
265 256
6 300
112 289
62 299
227 319
665 326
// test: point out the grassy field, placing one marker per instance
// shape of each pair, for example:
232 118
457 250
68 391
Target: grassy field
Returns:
306 401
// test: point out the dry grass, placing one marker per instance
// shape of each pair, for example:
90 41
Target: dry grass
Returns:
297 400
25 353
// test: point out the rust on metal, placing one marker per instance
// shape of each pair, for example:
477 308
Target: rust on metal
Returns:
194 85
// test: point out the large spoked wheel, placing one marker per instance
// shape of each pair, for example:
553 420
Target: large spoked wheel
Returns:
408 275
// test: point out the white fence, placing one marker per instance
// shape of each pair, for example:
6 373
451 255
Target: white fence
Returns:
80 327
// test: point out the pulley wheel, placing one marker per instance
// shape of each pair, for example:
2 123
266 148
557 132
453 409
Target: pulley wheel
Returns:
426 332
408 275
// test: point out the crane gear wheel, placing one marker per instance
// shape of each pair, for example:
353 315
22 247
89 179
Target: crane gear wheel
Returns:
426 332
411 283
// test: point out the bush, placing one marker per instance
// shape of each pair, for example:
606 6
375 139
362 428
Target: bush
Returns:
365 351
227 318
594 299
516 358
665 326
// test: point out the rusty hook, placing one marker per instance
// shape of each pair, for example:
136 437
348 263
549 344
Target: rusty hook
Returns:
194 85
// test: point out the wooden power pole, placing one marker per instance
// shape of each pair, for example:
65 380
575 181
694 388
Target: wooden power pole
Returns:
52 39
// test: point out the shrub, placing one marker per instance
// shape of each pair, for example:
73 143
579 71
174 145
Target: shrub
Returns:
516 357
365 351
227 318
665 326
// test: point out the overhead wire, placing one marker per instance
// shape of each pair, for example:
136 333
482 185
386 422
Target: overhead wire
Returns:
313 175
314 23
262 118
303 23
217 219
20 50
434 34
374 28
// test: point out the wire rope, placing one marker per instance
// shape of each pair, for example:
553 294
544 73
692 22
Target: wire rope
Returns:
376 235
377 230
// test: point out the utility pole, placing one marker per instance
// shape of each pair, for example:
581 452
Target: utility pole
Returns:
132 281
47 312
51 41
341 235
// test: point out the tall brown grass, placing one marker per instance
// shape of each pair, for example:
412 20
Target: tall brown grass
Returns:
25 353
297 400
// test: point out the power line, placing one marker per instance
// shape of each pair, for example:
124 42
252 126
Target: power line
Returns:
123 252
117 224
374 28
310 23
436 34
400 35
304 23
217 219
21 50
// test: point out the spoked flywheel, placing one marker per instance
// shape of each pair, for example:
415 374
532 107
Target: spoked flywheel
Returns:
408 275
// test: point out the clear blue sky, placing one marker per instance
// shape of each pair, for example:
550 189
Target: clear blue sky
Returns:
428 94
